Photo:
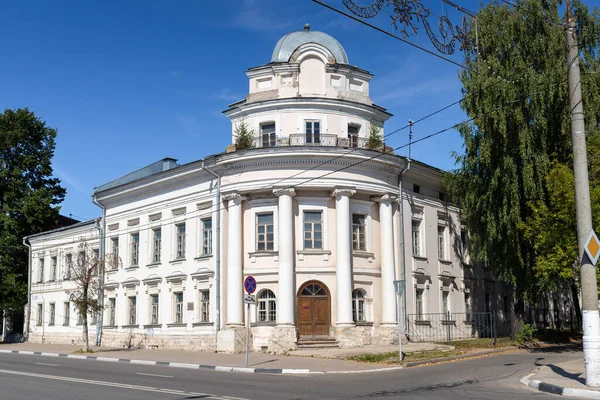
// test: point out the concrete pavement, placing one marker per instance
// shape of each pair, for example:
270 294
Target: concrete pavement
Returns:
564 378
313 361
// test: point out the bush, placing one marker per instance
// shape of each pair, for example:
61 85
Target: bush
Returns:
525 335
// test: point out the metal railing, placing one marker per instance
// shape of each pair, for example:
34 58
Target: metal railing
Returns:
448 327
307 139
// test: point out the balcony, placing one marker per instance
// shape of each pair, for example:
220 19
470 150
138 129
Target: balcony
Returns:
307 139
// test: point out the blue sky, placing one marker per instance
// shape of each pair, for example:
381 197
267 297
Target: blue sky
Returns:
127 83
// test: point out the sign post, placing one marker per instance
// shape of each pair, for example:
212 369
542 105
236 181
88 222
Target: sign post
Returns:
399 285
250 287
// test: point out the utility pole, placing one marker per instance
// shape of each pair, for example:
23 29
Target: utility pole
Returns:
589 292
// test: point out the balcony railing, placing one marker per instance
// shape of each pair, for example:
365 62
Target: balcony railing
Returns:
306 139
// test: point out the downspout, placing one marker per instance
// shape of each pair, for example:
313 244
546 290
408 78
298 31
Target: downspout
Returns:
401 209
28 317
102 251
217 250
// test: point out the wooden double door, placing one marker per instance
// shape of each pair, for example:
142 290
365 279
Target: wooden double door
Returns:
313 311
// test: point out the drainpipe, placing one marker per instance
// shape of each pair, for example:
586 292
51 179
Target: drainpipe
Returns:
217 250
101 233
401 209
28 316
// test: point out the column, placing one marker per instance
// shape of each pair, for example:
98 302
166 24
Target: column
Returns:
386 238
343 269
235 282
286 291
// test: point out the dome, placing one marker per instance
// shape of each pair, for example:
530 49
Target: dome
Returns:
290 42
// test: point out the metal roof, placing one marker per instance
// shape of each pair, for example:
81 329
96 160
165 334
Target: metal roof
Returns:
154 168
290 42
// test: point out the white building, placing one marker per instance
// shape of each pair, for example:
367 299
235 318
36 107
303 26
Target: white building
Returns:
310 212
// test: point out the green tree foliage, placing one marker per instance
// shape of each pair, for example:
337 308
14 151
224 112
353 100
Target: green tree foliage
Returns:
510 154
28 197
375 138
244 136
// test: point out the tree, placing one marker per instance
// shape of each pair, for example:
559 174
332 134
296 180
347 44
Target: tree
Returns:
29 196
375 138
244 136
84 273
502 176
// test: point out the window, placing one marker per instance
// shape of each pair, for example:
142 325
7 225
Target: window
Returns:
132 310
442 242
40 315
359 228
96 254
41 276
112 302
180 241
179 308
353 135
445 302
416 237
115 252
468 306
156 244
358 305
94 318
267 306
52 313
264 232
79 318
419 304
135 249
66 313
416 188
69 266
154 309
206 236
204 306
53 269
313 132
269 138
313 230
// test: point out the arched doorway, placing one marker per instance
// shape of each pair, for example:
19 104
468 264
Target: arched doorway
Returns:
314 310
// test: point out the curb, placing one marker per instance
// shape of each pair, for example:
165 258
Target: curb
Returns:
459 357
559 390
218 368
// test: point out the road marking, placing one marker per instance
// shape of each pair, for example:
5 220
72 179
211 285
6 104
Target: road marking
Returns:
50 365
112 384
160 376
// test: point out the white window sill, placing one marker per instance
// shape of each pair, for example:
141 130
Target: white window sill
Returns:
444 261
203 256
363 254
154 264
420 258
177 261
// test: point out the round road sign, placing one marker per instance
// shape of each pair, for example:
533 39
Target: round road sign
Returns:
250 285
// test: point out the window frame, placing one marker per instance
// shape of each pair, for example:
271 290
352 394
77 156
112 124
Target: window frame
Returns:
156 244
359 297
134 248
112 311
40 314
312 230
154 309
266 307
310 204
442 242
417 248
312 137
204 308
53 268
446 302
52 314
180 240
66 313
271 137
206 236
353 136
68 265
131 310
178 308
420 304
41 270
257 234
356 242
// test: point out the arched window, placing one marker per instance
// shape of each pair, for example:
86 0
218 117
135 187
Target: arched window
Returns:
267 306
358 305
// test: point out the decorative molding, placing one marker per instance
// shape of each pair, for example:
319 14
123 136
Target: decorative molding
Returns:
235 196
343 191
386 198
284 191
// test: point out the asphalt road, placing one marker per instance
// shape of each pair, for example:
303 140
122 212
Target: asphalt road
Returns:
492 377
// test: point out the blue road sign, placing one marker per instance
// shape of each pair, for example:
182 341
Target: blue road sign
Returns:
250 285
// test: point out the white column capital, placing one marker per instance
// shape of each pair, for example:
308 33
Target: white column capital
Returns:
284 192
386 198
235 196
345 191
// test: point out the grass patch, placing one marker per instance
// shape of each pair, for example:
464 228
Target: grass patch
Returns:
483 343
82 351
375 358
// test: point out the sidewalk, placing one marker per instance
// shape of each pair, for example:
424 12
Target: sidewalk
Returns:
312 361
564 379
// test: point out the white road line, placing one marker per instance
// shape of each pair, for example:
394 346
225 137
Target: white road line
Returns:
50 365
160 376
111 384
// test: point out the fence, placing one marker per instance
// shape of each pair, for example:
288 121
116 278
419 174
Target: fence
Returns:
448 327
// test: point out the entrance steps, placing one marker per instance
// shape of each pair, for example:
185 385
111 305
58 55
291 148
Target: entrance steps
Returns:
317 344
